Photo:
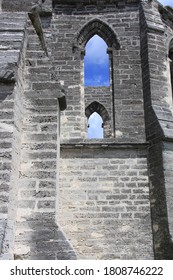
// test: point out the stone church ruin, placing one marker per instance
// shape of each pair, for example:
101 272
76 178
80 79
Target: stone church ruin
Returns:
63 195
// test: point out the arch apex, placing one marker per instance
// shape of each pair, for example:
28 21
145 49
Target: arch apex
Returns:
98 108
100 28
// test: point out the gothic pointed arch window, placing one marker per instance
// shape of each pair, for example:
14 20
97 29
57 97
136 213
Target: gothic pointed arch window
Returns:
96 63
98 118
96 42
95 126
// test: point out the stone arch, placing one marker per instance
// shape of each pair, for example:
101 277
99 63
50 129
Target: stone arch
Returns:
98 108
97 27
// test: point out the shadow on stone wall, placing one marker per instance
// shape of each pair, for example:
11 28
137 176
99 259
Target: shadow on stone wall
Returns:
163 245
5 91
44 238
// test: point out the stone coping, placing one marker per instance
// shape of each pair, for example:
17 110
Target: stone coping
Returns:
98 144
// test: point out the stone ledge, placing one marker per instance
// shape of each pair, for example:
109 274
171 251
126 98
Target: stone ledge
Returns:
98 144
155 28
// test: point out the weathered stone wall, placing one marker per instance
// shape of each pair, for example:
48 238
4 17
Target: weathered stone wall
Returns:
168 172
127 80
6 129
36 212
11 42
22 5
101 95
103 191
8 245
156 33
104 201
30 148
107 190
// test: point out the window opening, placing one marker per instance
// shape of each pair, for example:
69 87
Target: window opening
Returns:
96 63
95 126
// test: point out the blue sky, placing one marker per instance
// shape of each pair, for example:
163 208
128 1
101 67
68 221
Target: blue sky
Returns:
96 63
96 69
166 2
95 129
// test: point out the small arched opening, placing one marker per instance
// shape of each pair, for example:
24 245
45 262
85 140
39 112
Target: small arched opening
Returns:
95 126
98 121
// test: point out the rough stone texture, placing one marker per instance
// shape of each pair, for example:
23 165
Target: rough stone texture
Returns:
39 237
104 202
30 125
114 198
100 95
23 5
11 36
126 89
156 35
168 173
39 150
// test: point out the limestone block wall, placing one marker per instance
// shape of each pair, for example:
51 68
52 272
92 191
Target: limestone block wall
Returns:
6 128
30 149
22 5
37 235
107 190
102 95
6 134
104 203
104 191
95 97
11 42
8 243
156 33
168 174
67 22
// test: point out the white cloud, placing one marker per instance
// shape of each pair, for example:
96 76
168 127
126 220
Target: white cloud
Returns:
97 80
96 50
95 129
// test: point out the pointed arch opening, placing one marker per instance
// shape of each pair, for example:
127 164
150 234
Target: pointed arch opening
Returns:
96 63
97 27
97 117
95 126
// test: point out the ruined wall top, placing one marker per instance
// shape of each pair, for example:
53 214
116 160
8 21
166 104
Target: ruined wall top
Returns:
26 5
22 5
91 2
